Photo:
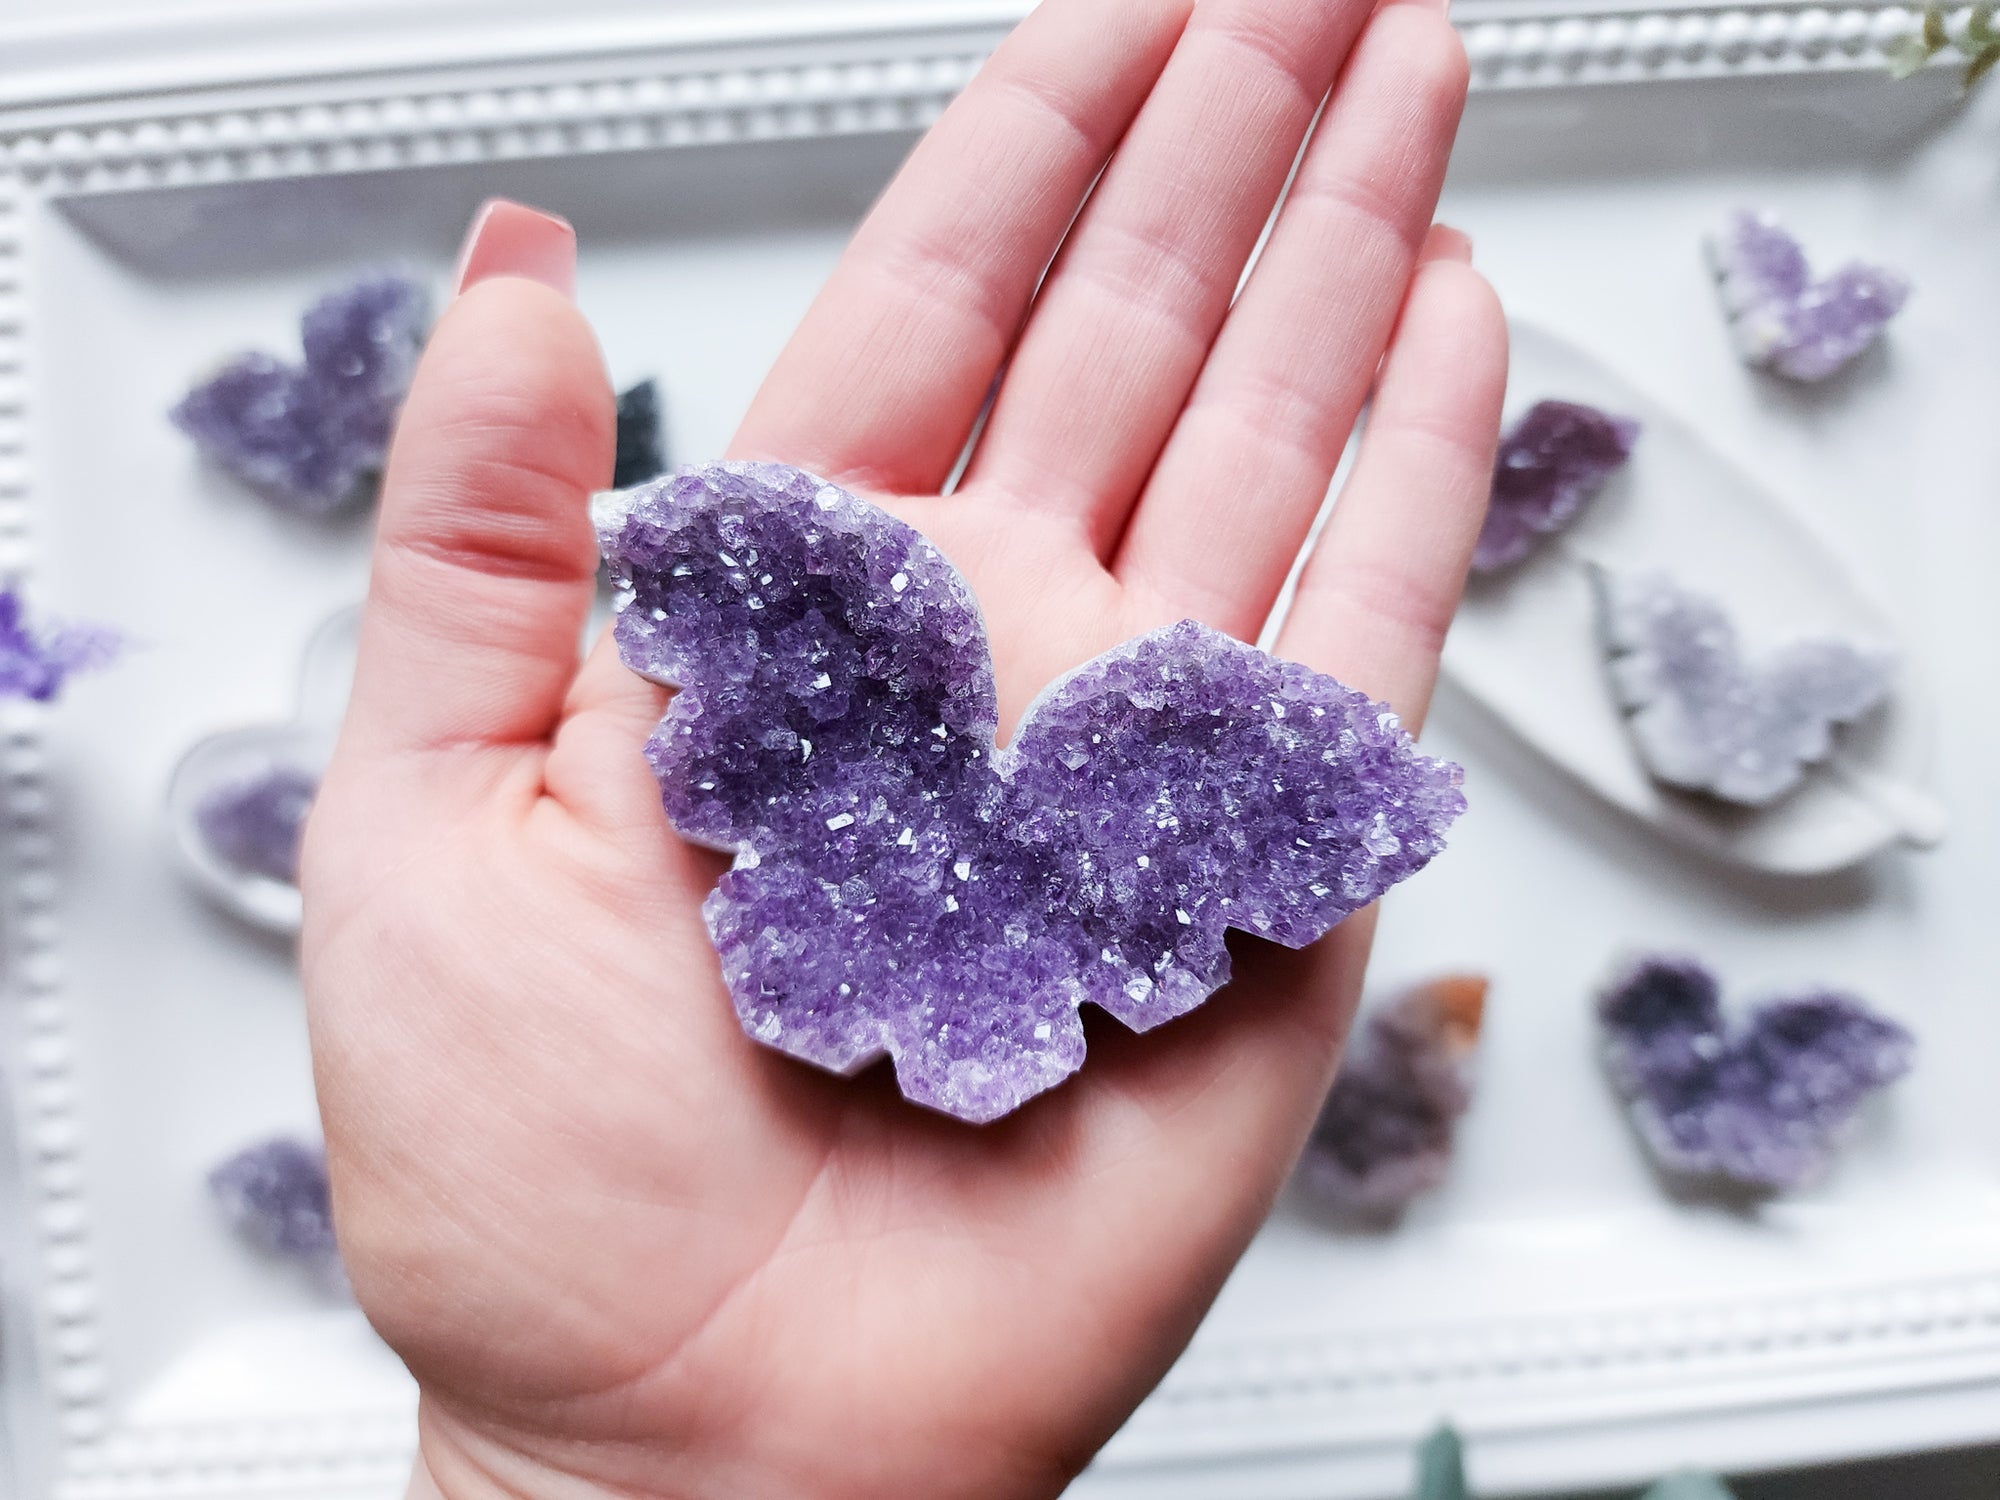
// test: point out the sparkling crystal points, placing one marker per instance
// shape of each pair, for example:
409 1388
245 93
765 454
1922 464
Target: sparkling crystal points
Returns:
255 824
641 440
305 436
1703 717
1384 1134
275 1194
900 886
1765 1106
1781 318
1549 464
35 663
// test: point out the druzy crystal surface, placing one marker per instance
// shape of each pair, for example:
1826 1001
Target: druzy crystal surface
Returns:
1384 1134
306 435
641 440
35 663
1764 1106
254 824
1705 717
900 886
1549 464
275 1195
1783 319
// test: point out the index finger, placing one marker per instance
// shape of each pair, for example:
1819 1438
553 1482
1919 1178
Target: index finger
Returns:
881 383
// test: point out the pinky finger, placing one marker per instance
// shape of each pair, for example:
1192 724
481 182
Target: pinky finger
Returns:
1379 591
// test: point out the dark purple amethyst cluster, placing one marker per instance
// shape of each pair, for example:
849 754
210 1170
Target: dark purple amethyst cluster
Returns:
1763 1106
641 445
35 663
275 1194
1549 464
255 825
305 436
1385 1133
900 886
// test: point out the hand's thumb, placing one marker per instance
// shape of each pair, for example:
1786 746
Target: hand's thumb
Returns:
484 557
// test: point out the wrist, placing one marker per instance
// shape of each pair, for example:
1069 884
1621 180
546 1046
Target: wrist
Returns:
448 1468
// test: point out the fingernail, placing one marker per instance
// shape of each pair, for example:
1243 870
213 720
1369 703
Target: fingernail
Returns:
1446 243
511 239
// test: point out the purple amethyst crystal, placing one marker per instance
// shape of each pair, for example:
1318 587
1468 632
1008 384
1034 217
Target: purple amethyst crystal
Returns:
35 663
1549 464
254 825
305 436
275 1195
1384 1134
1782 319
1704 718
900 886
1764 1107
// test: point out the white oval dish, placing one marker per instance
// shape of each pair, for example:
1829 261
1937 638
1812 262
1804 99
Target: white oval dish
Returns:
1526 645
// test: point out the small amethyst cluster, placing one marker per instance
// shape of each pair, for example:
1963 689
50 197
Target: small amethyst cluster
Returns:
276 1195
1549 464
641 452
255 825
1705 718
35 663
305 436
1763 1106
1783 319
900 886
1385 1133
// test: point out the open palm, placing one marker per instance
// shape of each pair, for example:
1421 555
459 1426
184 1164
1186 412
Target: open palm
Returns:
625 1250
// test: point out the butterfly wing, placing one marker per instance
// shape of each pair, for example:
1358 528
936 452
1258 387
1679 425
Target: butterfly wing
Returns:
1787 1089
831 664
834 729
1202 785
258 418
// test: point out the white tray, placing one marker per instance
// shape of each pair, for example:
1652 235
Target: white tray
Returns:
1579 1325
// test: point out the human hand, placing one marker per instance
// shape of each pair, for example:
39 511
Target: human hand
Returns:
624 1249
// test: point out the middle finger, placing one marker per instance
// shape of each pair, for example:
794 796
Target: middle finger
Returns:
1131 305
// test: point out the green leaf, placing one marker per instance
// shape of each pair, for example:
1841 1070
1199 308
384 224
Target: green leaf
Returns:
1979 33
1441 1467
1981 65
1936 37
1908 57
1689 1484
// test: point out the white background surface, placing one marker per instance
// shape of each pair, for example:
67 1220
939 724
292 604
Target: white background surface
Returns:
1585 208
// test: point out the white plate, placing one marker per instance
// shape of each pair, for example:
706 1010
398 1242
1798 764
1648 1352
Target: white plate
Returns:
1579 1325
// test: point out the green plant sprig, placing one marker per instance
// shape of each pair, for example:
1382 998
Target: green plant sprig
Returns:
1441 1475
1978 43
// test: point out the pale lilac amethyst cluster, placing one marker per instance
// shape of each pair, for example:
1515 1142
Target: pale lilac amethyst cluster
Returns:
900 886
305 436
275 1194
1783 319
1763 1105
254 825
1704 716
1549 464
34 663
1385 1133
